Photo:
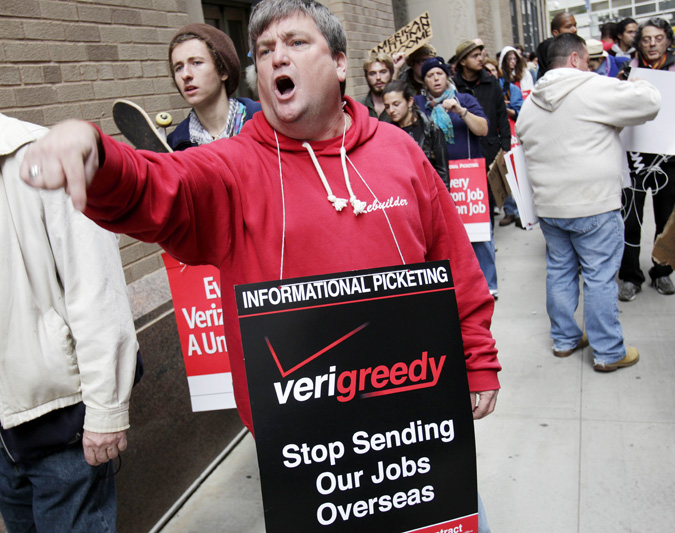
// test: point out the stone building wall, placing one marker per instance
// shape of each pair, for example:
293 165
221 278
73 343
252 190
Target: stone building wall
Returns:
73 59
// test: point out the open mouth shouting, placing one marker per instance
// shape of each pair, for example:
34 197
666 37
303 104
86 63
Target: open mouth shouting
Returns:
285 87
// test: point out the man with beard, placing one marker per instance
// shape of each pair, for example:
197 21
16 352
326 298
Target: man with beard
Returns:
379 70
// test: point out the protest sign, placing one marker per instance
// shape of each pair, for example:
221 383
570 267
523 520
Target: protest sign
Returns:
497 179
521 190
359 399
664 247
408 39
468 188
655 136
196 298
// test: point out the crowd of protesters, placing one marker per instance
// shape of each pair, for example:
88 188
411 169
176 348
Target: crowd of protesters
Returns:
473 101
464 108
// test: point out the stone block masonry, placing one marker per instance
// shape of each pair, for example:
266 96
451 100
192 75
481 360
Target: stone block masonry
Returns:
72 58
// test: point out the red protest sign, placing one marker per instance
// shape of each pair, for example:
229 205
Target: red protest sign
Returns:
199 318
468 188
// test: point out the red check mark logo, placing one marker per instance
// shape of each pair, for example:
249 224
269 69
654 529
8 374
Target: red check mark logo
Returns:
285 373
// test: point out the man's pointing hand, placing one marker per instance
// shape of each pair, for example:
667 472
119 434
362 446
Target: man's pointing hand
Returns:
68 157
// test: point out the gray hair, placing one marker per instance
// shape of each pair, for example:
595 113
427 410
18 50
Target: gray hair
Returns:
658 23
269 11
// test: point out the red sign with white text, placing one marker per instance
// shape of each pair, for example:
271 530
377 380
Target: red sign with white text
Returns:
468 188
199 318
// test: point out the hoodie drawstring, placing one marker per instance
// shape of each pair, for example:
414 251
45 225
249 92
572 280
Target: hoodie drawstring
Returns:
283 209
338 203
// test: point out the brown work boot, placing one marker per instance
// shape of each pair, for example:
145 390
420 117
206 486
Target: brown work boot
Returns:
583 342
508 219
632 357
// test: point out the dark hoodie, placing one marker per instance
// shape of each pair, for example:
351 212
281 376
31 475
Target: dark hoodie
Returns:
238 203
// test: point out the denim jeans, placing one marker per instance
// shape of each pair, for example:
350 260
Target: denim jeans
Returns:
60 492
483 526
510 206
485 253
594 244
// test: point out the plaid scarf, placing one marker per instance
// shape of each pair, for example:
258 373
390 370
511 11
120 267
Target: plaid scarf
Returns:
235 120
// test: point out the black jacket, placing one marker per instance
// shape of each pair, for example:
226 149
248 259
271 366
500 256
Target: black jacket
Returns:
542 56
368 102
179 139
489 95
432 143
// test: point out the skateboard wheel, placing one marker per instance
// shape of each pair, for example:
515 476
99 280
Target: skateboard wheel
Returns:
164 119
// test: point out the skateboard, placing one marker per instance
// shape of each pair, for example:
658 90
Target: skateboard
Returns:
135 124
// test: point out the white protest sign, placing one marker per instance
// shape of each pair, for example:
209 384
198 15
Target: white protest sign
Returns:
656 136
520 186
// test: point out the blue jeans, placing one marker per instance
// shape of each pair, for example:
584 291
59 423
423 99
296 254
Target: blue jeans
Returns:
595 244
483 526
485 253
60 492
510 206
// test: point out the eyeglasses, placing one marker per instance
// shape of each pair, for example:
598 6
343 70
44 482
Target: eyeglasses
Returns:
658 39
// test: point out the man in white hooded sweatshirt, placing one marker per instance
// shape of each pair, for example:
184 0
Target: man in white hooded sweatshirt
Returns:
569 129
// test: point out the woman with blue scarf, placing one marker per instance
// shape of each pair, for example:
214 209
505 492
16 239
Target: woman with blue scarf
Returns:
459 115
462 120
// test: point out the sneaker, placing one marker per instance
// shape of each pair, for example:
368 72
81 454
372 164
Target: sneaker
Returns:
583 342
628 290
632 357
663 285
508 219
495 294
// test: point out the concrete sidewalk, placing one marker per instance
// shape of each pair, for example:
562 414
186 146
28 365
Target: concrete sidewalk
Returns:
567 450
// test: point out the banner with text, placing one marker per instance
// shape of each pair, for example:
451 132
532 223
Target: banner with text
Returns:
199 316
468 188
360 401
409 38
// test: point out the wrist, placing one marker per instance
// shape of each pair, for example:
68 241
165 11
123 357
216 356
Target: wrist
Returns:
463 113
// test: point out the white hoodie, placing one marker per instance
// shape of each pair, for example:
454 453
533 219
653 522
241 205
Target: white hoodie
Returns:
526 83
569 129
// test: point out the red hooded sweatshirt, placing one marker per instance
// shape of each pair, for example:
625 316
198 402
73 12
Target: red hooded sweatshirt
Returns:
256 207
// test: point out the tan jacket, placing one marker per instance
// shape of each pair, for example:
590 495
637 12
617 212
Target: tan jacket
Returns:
66 330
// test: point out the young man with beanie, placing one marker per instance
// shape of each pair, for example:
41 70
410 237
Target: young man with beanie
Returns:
206 69
577 195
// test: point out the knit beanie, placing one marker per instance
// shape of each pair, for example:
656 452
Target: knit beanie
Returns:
434 62
224 48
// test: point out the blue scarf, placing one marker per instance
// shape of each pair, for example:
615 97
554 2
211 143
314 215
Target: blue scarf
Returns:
440 116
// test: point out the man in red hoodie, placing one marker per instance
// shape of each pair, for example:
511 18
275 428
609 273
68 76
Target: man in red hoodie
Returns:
310 186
